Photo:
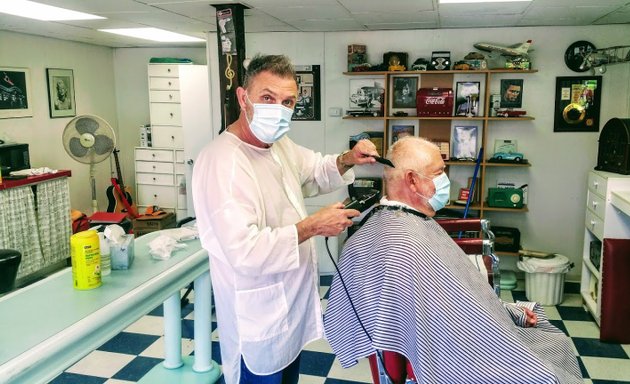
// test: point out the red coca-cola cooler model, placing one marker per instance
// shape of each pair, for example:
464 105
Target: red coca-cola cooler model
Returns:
434 102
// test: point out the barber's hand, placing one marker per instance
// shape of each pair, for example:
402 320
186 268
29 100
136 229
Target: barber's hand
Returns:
531 319
361 153
328 221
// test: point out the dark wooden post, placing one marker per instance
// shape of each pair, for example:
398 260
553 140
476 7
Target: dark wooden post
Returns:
231 42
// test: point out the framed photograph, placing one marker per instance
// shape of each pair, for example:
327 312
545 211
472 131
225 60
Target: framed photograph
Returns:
366 94
578 101
400 131
464 142
511 93
467 98
61 92
15 93
308 103
404 92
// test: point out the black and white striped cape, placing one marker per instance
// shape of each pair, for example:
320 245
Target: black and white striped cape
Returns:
417 294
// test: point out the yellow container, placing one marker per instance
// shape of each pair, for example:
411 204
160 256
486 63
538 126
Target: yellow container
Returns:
86 260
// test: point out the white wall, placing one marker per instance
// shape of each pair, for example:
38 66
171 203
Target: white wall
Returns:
94 94
112 83
560 161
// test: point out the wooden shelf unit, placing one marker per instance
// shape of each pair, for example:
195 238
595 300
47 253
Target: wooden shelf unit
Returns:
439 128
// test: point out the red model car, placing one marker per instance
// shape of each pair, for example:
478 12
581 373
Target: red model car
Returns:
505 112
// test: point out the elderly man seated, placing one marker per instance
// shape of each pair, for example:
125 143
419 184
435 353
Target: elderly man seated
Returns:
421 301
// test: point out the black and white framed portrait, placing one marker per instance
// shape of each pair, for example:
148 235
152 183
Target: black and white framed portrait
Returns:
15 93
61 92
403 95
307 105
405 92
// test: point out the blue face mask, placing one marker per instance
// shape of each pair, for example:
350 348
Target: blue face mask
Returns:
442 191
270 121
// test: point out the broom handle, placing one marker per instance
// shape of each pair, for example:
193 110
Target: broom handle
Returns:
471 192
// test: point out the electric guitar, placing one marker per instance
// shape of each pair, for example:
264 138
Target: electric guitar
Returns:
118 196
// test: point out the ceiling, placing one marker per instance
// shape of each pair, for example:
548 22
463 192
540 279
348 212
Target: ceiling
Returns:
196 17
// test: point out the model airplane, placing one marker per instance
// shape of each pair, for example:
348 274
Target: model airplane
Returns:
513 50
599 58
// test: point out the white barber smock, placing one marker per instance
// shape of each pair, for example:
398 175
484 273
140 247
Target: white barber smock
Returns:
247 202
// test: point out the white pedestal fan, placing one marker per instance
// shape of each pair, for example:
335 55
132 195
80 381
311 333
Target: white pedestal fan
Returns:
89 140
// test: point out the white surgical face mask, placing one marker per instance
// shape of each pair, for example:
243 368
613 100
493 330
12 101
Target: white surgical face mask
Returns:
270 121
442 191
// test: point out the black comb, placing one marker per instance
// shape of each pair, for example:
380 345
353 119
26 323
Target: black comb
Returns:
383 161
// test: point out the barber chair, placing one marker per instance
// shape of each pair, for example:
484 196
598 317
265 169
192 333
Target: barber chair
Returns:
476 240
480 245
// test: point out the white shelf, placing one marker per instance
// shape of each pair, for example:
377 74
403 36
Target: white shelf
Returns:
621 200
591 305
591 268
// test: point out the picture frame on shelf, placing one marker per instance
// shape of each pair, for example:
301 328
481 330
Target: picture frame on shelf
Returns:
577 105
464 141
367 94
511 93
403 95
402 130
467 96
405 88
308 103
15 93
61 92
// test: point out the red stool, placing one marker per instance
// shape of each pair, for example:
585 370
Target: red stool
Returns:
398 367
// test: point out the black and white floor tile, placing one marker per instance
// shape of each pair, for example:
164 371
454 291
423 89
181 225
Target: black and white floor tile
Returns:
132 353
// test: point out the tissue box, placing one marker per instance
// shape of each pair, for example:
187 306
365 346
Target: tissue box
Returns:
122 254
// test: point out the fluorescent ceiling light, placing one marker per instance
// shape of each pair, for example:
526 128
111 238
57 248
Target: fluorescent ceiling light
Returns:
477 1
33 10
153 34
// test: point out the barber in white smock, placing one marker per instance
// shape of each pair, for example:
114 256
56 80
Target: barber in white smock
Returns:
249 186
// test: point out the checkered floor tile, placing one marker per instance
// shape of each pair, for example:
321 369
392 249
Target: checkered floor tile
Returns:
132 353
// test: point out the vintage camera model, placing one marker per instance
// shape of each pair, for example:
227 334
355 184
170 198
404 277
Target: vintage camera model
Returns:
440 61
505 197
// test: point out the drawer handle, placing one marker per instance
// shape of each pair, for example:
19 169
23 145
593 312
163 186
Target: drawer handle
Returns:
155 196
594 204
168 70
169 83
593 224
173 138
595 184
190 161
170 96
154 179
153 154
171 114
154 167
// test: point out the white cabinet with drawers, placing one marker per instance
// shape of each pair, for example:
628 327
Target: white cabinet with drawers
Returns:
602 220
179 99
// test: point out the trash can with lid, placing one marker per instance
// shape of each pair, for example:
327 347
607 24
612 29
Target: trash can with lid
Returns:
544 278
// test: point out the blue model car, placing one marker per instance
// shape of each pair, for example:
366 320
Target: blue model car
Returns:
505 156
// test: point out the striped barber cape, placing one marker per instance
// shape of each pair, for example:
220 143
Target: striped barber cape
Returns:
417 294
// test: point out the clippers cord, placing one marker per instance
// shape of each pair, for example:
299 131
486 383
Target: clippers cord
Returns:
378 355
